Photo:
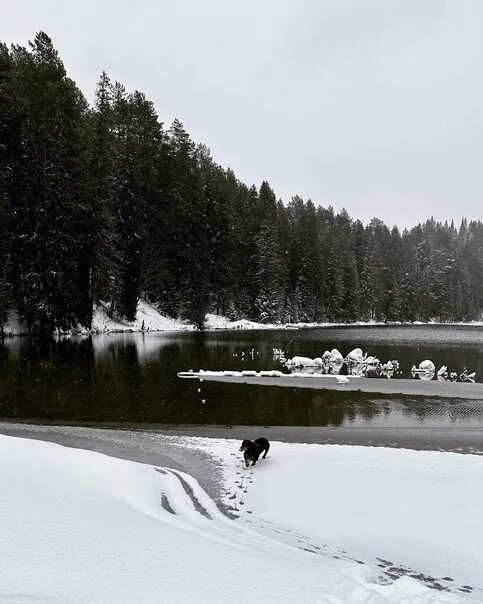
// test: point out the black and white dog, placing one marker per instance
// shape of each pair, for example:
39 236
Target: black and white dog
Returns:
253 449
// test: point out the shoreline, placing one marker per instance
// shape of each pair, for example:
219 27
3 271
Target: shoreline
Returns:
255 327
150 320
137 441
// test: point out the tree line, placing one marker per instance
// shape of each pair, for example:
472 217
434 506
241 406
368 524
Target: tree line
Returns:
104 203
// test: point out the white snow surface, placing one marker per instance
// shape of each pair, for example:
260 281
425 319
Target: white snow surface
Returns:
304 362
78 526
417 509
427 366
146 313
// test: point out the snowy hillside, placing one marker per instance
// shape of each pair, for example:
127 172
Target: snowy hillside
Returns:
147 317
78 526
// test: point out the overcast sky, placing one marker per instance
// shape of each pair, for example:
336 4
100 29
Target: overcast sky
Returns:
371 105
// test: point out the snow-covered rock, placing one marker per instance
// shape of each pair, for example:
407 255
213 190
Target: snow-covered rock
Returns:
335 356
355 356
427 366
370 360
301 362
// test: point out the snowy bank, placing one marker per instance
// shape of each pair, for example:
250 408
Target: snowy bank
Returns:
220 322
78 526
149 318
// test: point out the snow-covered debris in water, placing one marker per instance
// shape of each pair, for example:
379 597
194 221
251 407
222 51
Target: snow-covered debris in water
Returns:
279 355
355 356
426 367
361 369
304 362
335 356
370 360
468 377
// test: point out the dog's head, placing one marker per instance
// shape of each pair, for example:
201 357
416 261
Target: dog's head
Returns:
245 445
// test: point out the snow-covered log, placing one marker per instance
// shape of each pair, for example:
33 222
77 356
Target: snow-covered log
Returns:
304 362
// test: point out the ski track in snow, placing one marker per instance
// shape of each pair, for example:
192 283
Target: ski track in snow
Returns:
197 512
194 510
183 504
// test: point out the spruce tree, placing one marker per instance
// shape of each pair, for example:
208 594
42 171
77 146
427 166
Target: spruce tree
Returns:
49 200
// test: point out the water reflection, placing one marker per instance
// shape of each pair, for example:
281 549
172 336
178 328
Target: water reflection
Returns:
132 378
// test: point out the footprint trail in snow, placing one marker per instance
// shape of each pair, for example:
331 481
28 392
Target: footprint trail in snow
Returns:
389 571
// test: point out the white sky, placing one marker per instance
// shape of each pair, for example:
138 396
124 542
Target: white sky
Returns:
371 105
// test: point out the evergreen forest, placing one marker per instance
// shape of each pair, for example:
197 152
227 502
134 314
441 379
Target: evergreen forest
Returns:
105 202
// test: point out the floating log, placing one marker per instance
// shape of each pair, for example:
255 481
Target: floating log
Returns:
407 387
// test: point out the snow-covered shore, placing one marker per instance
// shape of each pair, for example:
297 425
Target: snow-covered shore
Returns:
78 526
148 318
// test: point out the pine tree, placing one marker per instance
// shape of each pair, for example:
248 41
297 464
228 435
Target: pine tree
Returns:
103 244
269 275
49 199
139 142
9 147
187 293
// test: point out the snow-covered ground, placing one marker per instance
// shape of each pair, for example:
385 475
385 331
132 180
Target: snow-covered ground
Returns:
147 317
78 526
415 509
221 322
152 320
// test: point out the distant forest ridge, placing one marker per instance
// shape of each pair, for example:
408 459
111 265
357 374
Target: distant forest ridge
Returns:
103 203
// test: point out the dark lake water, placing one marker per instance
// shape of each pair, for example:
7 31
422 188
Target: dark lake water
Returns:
131 378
